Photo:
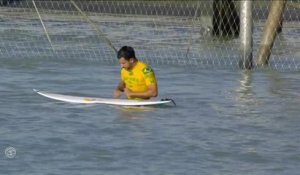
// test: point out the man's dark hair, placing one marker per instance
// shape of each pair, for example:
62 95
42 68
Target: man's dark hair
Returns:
126 52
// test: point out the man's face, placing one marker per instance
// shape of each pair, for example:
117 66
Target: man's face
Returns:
126 64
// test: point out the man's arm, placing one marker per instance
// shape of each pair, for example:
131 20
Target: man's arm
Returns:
150 92
119 89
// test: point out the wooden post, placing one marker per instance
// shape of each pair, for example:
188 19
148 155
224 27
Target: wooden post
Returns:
270 32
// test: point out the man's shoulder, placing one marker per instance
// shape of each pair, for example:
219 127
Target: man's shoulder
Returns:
146 70
142 65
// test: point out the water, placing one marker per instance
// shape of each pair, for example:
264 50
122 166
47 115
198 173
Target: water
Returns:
225 122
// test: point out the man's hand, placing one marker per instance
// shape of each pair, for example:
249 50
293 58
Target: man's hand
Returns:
117 93
128 92
119 89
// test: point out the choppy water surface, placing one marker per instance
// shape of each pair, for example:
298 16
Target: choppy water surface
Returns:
225 122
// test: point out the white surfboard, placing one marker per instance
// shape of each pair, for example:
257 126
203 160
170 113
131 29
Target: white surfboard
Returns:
97 100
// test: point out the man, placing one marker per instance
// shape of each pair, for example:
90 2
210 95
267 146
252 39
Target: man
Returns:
137 79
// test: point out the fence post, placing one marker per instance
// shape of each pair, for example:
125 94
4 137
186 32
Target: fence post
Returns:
246 27
270 31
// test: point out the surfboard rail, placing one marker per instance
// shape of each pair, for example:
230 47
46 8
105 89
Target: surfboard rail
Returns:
99 100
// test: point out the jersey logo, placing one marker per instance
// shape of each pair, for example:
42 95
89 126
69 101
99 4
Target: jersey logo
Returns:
147 70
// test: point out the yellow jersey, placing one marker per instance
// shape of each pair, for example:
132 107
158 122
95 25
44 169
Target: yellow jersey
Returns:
139 77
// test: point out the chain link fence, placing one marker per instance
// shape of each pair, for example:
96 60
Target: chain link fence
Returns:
204 34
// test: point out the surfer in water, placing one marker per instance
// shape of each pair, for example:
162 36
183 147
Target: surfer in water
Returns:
137 78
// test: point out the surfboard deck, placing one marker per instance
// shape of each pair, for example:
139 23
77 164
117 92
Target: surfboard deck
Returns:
99 100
